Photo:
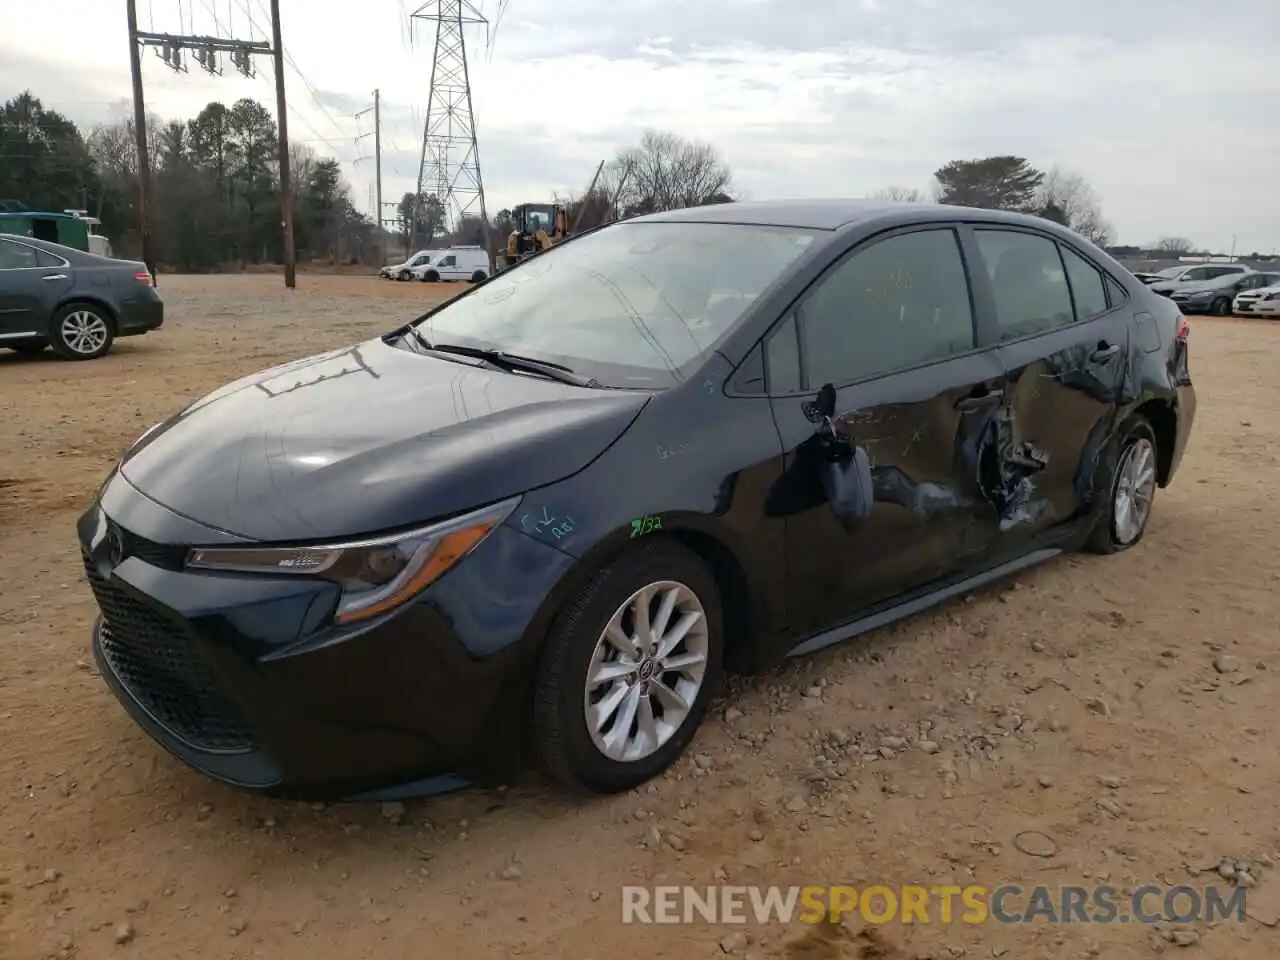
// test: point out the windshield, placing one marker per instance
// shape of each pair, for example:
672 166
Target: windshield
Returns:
636 305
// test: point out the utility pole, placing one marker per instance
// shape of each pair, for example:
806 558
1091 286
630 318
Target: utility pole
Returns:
207 51
377 162
140 138
286 174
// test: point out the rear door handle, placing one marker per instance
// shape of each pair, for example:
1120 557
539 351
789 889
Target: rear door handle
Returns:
980 402
54 276
1105 351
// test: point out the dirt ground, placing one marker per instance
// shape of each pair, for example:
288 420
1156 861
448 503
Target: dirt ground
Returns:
1124 708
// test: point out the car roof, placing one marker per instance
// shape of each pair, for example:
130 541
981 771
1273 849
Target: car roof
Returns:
830 214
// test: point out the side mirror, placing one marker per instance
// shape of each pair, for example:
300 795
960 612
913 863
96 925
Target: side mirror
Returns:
848 486
822 407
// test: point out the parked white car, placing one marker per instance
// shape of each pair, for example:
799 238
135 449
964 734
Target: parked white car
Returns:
404 271
1262 302
455 263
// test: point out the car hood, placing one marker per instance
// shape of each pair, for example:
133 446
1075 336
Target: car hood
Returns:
368 439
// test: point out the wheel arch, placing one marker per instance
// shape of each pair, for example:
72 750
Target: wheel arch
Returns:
90 299
743 607
1162 416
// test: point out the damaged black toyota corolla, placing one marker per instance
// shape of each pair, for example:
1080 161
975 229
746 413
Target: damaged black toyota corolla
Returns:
540 522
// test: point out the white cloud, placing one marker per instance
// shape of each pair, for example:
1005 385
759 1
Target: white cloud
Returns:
1168 109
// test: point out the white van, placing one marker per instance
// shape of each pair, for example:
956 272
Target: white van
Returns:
455 263
404 271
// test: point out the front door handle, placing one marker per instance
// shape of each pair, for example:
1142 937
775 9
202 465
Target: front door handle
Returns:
54 276
979 401
1105 351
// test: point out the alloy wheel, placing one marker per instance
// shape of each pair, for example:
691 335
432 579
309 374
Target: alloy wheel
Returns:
646 671
84 332
1135 490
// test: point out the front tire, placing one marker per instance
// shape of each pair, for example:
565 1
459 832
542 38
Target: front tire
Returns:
1221 307
81 331
1129 477
628 670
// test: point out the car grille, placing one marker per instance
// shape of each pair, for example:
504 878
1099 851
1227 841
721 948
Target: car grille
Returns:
161 668
157 554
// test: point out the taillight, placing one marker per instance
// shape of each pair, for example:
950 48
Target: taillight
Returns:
1184 329
142 276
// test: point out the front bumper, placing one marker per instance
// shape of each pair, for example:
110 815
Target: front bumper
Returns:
1193 307
1257 308
244 679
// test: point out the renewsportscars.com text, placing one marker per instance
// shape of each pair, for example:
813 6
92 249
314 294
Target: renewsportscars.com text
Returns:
1006 904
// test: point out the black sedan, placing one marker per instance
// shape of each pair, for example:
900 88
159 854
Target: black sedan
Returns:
1216 296
540 522
75 302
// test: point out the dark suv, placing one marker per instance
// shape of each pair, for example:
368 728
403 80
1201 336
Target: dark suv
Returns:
541 521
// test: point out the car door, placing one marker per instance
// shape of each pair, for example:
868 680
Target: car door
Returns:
1063 332
31 284
889 331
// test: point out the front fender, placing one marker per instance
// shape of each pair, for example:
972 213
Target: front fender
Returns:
704 484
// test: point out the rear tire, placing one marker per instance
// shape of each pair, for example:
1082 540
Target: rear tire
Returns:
478 277
660 694
1128 475
81 331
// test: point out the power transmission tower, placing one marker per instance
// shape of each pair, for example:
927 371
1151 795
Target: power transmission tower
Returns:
377 162
450 166
206 51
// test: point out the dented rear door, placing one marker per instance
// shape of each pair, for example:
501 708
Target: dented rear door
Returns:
1064 345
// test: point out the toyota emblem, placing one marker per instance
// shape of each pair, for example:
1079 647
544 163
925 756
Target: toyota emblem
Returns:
115 545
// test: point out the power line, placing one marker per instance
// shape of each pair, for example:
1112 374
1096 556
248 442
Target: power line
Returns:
207 51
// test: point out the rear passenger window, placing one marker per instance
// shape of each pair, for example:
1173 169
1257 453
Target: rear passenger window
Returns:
1087 289
1027 282
16 256
897 303
47 259
783 358
1115 293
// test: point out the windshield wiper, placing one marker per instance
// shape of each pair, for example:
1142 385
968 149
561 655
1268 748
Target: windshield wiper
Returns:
513 361
418 338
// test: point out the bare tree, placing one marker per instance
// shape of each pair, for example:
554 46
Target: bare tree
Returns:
666 172
899 195
1174 246
1074 204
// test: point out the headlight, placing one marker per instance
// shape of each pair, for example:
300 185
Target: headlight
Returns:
376 575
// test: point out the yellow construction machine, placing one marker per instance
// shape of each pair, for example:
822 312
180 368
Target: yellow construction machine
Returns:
537 227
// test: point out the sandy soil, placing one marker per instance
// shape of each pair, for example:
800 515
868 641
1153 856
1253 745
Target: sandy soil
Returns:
1125 707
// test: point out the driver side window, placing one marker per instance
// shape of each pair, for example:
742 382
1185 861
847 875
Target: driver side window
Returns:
896 303
447 262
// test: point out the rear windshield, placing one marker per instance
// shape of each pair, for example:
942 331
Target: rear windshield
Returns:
637 305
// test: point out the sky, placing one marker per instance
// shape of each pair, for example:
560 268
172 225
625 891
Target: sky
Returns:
1170 109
